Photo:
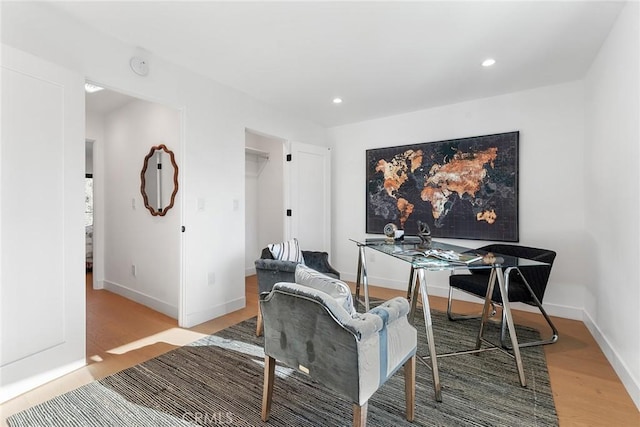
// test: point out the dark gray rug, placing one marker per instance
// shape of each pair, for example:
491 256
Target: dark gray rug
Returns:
218 381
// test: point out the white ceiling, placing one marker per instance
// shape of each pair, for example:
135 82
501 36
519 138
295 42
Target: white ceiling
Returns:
105 101
382 58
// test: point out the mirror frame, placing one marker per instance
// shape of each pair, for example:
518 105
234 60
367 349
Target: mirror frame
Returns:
155 148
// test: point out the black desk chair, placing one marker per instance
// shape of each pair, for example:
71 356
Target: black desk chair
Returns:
525 284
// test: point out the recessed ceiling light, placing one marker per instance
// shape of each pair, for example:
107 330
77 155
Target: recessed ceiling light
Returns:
91 88
488 62
337 100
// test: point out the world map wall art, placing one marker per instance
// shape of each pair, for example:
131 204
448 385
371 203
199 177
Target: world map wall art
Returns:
462 188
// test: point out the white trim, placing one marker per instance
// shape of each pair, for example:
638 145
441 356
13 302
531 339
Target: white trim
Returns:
141 298
182 186
213 312
286 190
565 312
10 391
624 373
98 214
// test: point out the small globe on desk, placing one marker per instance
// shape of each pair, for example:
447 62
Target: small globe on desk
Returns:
390 231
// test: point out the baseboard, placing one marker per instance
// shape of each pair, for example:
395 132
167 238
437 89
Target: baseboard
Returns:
8 392
621 368
193 319
565 312
249 271
379 281
141 298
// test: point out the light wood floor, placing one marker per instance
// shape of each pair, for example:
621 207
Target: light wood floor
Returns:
121 333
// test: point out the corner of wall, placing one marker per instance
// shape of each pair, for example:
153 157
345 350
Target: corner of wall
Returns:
619 366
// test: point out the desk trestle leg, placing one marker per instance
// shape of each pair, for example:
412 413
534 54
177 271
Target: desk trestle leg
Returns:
362 276
426 311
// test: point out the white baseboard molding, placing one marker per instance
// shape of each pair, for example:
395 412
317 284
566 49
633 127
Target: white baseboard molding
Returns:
249 271
10 391
193 319
377 281
621 368
141 298
438 290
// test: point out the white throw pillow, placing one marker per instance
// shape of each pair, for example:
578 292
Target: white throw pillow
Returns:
335 288
286 251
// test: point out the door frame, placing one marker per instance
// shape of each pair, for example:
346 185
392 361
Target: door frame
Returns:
98 159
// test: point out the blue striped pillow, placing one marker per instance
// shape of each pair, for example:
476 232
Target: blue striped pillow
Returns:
287 251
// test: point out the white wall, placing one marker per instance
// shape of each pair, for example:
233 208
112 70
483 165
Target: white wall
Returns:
213 160
551 123
264 196
612 294
133 237
579 188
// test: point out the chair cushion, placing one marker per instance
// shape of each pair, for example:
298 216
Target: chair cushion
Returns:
287 251
335 288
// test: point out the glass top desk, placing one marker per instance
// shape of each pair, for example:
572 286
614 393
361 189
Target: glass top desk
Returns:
500 265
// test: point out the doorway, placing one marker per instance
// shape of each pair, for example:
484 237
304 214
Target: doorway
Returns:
124 240
264 194
88 207
287 193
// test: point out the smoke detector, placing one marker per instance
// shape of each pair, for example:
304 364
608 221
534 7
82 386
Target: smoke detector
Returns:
139 66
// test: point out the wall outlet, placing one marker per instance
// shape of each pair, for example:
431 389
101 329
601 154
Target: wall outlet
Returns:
211 278
133 270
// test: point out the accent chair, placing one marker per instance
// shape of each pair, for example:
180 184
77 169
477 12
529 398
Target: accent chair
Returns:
525 284
307 328
270 271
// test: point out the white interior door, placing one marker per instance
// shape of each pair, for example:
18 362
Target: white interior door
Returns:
309 182
41 222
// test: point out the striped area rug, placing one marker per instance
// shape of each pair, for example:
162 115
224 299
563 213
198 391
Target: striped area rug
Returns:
218 381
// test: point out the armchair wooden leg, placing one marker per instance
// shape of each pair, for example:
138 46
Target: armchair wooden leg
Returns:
267 390
360 415
410 387
259 322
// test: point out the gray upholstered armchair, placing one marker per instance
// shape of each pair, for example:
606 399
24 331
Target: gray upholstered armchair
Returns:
271 271
351 353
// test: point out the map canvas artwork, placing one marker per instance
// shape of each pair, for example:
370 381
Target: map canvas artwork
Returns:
463 188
